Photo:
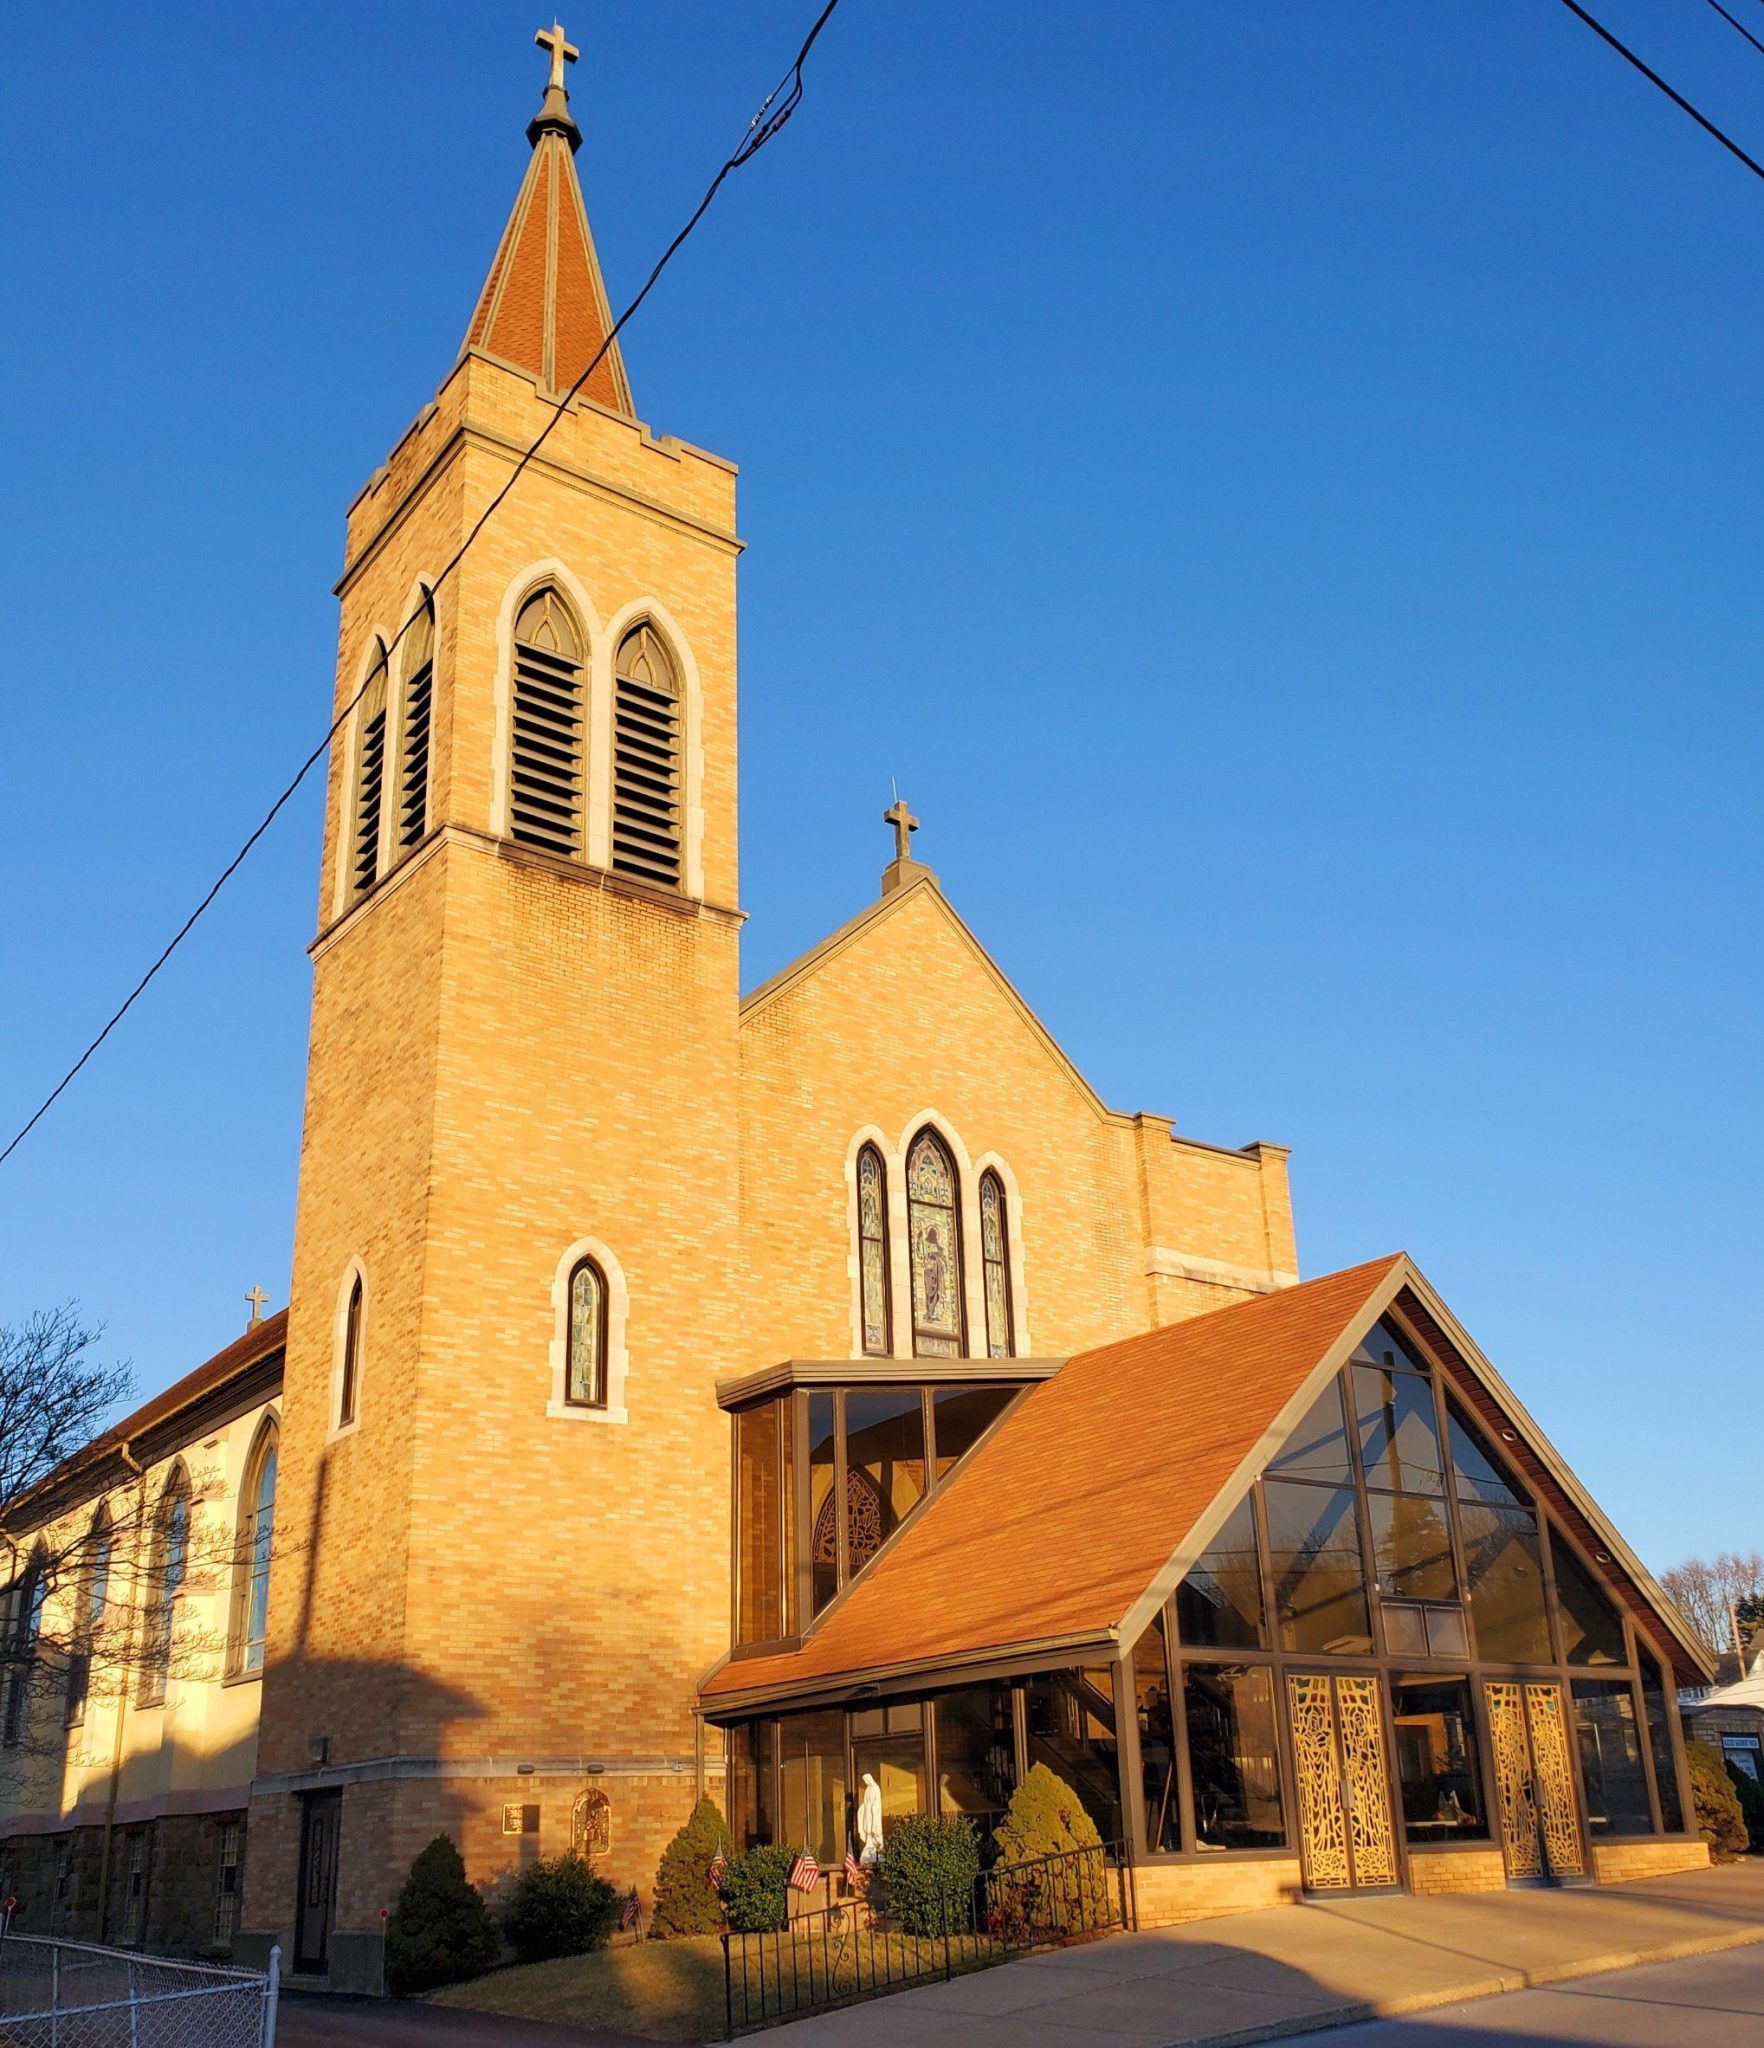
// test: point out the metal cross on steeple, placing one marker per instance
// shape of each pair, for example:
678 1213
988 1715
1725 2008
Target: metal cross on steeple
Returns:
905 825
562 51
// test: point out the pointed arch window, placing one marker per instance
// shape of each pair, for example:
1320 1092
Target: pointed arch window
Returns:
934 1246
872 1198
24 1625
92 1598
171 1558
646 760
585 1377
995 1258
546 745
370 777
415 727
349 1379
257 1522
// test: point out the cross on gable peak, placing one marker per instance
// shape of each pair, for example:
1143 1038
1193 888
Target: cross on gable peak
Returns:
905 825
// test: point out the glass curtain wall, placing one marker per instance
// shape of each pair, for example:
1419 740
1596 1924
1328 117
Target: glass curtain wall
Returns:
1392 1537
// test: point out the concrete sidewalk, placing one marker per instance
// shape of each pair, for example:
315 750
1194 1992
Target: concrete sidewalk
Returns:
1295 1968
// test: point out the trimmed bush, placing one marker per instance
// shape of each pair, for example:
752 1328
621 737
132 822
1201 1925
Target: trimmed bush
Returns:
1030 1898
558 1907
929 1867
686 1901
1751 1799
756 1888
440 1930
1719 1819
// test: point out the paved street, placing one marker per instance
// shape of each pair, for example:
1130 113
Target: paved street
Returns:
316 2021
1714 2001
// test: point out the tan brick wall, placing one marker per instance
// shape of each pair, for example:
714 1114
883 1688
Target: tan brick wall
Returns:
1616 1862
1458 1870
1166 1894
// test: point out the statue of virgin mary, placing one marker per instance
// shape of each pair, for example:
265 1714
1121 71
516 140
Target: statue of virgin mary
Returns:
869 1822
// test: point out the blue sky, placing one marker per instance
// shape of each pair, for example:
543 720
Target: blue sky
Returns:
1277 486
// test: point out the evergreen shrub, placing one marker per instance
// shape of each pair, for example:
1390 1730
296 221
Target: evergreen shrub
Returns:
1719 1818
440 1930
929 1866
558 1907
686 1902
1032 1899
756 1888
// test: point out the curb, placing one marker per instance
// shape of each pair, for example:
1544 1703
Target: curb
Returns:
1358 2011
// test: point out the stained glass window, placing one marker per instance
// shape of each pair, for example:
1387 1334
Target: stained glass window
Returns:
586 1384
872 1183
260 1537
995 1258
351 1357
934 1243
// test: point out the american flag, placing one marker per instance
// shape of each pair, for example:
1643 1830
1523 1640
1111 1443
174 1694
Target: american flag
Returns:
805 1873
719 1863
628 1918
854 1872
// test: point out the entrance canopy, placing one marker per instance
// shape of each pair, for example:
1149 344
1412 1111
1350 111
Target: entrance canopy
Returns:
1061 1535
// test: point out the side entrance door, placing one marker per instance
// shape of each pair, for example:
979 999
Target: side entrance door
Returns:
1534 1780
1345 1830
320 1817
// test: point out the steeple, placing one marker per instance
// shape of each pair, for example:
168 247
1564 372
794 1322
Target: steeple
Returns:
543 308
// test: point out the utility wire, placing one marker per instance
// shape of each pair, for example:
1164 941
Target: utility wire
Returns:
1738 27
1647 71
776 108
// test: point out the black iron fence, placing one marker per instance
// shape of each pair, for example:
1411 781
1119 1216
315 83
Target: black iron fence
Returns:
858 1949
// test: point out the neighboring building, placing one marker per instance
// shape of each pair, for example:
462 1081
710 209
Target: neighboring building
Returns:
1730 1719
1018 1381
126 1766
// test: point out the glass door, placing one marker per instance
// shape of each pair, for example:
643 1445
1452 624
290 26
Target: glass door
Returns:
1345 1831
1534 1780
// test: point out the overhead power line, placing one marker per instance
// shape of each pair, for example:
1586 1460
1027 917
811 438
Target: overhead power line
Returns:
1739 28
774 110
1653 77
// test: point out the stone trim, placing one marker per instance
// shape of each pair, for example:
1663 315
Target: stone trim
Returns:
1164 1263
377 1769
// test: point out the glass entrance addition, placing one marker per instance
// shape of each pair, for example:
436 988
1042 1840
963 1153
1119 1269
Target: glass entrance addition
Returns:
1534 1780
1345 1831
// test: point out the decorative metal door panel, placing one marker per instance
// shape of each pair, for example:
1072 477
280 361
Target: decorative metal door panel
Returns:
1322 1818
1552 1759
1512 1771
1366 1781
1534 1779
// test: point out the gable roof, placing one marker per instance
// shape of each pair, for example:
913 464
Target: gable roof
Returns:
1102 1486
922 890
248 1368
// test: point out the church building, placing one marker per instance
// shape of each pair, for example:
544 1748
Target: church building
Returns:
684 1390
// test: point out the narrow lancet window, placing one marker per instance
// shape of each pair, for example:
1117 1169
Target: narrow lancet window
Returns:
586 1384
872 1194
171 1554
350 1383
257 1524
995 1257
370 777
546 741
646 761
419 712
934 1246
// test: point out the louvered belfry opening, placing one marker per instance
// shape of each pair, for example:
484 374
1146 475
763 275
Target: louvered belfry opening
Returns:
370 778
545 772
419 711
646 761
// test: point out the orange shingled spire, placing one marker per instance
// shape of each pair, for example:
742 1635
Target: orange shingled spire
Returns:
543 308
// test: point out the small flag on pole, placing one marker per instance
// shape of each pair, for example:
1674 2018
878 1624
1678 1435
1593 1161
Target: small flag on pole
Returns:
854 1872
719 1864
628 1918
805 1873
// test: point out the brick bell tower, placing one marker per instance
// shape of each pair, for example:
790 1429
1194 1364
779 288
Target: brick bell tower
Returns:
502 1544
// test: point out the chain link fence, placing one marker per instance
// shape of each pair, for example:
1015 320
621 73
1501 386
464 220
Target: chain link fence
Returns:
74 1994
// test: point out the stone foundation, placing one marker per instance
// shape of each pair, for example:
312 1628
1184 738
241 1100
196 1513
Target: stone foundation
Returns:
57 1880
